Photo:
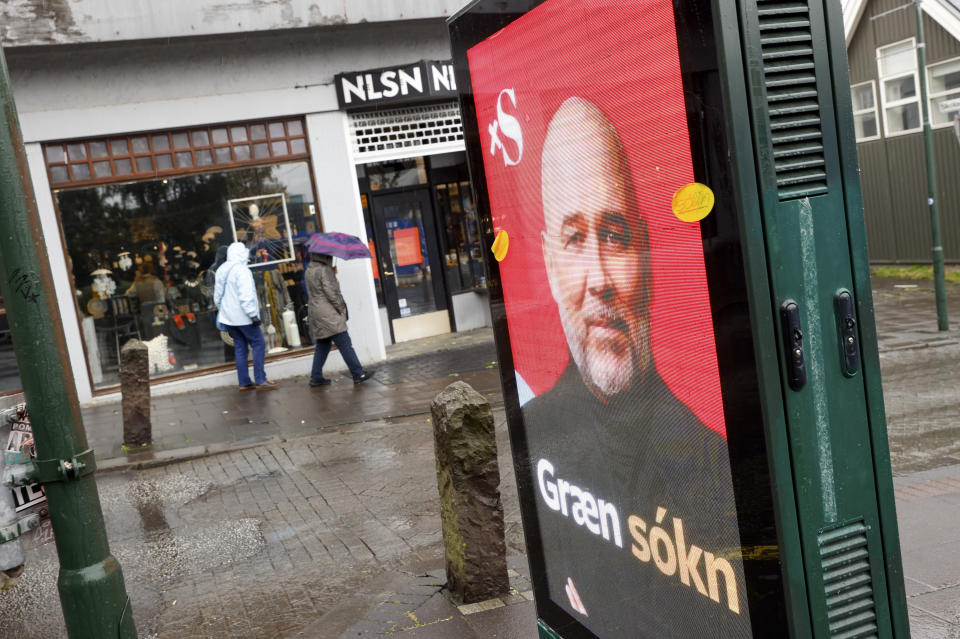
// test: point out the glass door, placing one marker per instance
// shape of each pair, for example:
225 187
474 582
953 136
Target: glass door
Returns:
415 299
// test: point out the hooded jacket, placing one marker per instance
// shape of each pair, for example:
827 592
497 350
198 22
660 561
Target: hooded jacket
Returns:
234 292
327 310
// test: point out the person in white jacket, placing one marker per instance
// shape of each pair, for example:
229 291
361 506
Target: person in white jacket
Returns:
235 296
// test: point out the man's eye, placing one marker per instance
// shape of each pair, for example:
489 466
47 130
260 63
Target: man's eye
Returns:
616 237
572 239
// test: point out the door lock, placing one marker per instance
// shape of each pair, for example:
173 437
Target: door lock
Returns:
793 344
847 330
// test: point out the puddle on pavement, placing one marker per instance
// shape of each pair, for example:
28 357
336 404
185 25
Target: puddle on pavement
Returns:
150 508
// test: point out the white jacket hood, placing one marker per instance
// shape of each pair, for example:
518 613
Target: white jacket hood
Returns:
234 291
237 252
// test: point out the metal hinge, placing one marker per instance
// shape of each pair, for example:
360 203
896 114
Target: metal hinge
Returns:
12 532
46 471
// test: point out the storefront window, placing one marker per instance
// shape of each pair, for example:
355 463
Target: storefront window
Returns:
463 261
374 259
395 174
143 254
9 373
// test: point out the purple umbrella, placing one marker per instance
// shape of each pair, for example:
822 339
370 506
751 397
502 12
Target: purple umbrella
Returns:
346 247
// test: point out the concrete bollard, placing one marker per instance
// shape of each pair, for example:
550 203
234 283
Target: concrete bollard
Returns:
468 478
135 392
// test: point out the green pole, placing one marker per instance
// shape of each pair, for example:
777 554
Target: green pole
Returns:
92 593
938 272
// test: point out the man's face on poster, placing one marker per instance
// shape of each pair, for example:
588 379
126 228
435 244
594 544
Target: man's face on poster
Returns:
595 249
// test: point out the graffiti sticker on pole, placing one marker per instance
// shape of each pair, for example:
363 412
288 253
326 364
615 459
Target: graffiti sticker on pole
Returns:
20 449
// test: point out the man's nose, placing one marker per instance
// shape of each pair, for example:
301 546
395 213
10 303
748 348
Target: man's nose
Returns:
598 282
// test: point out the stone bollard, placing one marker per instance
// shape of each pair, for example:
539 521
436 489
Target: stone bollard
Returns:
469 481
135 392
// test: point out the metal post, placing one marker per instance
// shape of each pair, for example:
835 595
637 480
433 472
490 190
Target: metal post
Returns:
938 272
92 593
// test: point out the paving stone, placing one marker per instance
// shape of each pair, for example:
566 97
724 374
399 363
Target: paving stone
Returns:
480 606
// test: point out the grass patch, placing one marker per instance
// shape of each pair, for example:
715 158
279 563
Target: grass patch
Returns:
915 272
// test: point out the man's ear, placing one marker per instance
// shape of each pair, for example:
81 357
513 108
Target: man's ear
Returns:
548 264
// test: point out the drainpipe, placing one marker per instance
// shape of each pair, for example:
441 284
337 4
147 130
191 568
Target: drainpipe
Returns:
92 593
938 272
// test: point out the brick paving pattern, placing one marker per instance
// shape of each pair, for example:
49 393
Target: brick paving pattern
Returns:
404 385
348 505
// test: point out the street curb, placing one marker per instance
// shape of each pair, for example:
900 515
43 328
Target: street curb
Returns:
918 346
145 460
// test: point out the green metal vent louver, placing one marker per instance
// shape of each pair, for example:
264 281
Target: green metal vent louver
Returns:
791 87
845 560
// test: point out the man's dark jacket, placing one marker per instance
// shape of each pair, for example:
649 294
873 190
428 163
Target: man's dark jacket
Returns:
641 451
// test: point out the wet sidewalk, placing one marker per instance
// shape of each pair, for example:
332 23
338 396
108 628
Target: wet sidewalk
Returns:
906 314
197 423
212 421
350 543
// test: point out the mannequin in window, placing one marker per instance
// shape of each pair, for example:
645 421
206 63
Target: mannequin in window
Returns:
146 286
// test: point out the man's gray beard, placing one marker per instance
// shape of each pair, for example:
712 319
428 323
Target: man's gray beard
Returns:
607 381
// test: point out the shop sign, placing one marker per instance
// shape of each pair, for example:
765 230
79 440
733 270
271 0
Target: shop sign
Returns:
427 79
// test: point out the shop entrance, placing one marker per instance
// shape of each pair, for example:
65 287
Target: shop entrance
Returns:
409 264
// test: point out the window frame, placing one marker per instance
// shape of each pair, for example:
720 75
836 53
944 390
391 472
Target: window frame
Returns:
931 96
186 150
876 114
884 104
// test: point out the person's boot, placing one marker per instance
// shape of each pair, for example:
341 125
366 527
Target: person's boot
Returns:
364 376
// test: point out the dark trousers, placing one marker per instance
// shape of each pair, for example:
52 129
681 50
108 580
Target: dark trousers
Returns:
345 346
244 337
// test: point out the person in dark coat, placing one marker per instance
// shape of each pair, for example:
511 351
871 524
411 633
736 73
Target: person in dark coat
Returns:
328 320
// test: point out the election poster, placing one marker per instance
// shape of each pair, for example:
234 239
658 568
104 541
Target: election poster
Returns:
587 162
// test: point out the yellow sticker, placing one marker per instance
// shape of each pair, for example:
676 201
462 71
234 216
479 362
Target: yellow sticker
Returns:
693 202
500 245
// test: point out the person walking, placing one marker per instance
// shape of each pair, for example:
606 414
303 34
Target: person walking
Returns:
235 296
327 313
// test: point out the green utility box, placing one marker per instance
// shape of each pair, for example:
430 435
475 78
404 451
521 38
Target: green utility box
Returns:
671 209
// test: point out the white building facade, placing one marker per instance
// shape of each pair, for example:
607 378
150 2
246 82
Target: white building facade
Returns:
152 130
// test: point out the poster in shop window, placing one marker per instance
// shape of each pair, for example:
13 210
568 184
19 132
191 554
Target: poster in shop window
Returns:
407 244
582 122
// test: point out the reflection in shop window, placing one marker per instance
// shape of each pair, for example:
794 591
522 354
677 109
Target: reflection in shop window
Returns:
143 253
463 260
396 173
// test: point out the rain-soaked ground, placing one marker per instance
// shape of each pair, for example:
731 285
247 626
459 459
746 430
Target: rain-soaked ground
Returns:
262 542
921 389
920 366
269 541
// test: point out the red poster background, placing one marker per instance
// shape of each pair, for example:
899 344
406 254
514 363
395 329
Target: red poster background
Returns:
407 245
631 71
